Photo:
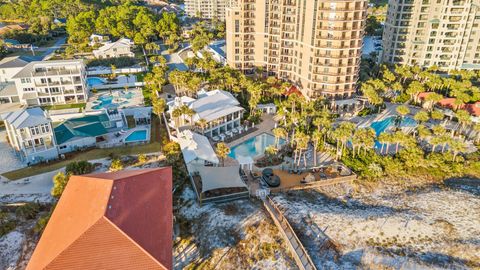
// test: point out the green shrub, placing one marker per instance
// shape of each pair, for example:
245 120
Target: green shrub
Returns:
116 165
79 168
28 211
7 224
119 62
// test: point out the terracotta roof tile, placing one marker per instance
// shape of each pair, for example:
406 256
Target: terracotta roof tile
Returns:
119 220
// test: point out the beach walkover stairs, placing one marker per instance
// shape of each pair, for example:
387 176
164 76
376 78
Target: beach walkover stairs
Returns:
299 252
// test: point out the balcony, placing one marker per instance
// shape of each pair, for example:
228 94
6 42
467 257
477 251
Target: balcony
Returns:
56 72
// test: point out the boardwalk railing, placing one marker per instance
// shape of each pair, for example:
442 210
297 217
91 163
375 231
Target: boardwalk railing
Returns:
299 252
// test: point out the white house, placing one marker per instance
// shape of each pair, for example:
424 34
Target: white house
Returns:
220 109
52 82
30 133
119 48
98 39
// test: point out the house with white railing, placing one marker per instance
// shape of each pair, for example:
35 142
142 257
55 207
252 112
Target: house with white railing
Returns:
52 82
219 111
30 133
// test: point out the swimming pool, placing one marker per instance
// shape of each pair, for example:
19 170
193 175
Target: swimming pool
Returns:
137 136
254 147
93 81
105 100
386 123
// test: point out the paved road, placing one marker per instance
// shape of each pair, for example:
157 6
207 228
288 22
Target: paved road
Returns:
49 52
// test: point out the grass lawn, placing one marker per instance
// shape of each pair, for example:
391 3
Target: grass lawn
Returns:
65 106
147 99
140 76
157 135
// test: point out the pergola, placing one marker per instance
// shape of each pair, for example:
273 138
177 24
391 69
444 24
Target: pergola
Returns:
220 177
245 162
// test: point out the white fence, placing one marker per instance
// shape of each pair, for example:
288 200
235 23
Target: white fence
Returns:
105 71
118 85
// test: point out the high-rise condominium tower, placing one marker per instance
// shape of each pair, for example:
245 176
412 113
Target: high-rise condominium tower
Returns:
445 33
209 9
315 44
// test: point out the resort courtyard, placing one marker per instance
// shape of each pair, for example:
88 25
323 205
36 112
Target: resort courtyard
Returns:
243 168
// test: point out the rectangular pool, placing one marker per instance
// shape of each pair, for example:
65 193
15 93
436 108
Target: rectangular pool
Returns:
254 147
137 136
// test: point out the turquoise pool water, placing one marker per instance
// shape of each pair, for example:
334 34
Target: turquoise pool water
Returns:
136 136
106 100
92 81
386 123
381 126
254 147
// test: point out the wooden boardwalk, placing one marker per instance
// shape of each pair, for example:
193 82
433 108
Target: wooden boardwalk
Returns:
299 252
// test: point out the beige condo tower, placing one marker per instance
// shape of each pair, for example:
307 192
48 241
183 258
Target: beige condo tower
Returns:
209 9
315 44
445 33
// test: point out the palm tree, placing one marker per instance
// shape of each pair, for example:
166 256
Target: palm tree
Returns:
463 118
476 128
190 113
437 115
202 124
421 116
432 99
398 138
176 114
342 134
434 141
317 136
385 139
368 139
445 140
414 89
270 152
279 133
457 146
402 110
113 69
423 132
301 145
222 151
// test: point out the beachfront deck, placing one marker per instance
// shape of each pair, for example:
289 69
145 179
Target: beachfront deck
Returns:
289 181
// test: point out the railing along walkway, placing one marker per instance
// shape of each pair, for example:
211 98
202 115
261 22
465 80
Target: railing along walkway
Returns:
299 252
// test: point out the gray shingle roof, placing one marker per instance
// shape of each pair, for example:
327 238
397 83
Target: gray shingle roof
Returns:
26 118
14 62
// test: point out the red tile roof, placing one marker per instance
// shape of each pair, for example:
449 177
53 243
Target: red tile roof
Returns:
473 109
424 95
447 102
293 90
120 220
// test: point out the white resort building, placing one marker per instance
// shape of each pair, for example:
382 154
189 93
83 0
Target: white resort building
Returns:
220 110
51 82
119 48
30 133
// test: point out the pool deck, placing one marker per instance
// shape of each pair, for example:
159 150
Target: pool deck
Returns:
290 181
265 126
112 140
136 100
